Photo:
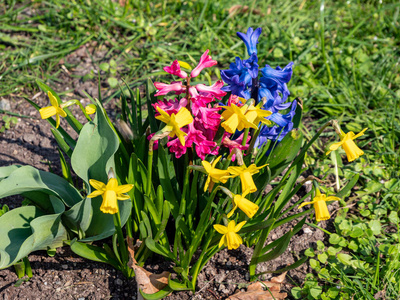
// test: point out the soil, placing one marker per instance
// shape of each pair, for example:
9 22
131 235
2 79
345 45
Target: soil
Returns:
66 276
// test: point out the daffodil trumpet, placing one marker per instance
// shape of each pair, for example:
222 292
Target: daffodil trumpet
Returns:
347 143
230 238
319 202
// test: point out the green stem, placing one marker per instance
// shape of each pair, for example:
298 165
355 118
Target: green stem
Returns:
121 239
317 227
149 172
182 207
77 102
246 134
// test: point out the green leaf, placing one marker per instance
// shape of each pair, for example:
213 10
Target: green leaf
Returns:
394 217
323 258
113 82
344 258
157 248
375 226
159 295
27 179
296 292
93 253
314 264
343 192
315 291
92 158
309 252
104 66
357 231
27 229
177 286
334 239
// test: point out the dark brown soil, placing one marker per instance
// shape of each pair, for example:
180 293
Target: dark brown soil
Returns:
66 276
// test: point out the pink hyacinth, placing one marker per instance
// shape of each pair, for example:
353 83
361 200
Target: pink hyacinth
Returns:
175 69
232 144
214 90
164 88
233 99
170 106
209 117
202 144
200 101
205 62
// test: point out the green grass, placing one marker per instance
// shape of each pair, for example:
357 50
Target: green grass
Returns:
346 56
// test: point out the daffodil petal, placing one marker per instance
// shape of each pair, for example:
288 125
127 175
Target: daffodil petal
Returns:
95 194
53 100
332 198
220 228
47 112
57 120
305 203
239 226
98 185
124 188
123 197
359 134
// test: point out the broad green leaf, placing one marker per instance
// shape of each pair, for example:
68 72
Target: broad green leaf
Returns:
27 179
92 158
93 253
27 229
6 171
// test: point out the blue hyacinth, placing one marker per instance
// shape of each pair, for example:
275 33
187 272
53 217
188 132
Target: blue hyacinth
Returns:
242 79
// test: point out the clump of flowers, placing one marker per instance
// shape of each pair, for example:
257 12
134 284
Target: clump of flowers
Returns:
191 175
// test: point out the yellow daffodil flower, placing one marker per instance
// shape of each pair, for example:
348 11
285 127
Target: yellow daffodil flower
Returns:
54 109
175 122
245 205
319 201
235 118
90 109
214 174
256 115
351 149
245 174
110 193
230 238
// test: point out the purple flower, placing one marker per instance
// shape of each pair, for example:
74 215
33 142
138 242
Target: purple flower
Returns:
250 39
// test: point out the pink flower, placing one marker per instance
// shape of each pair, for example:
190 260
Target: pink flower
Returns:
209 117
175 69
205 62
202 144
164 88
170 106
200 101
193 92
233 99
214 90
232 144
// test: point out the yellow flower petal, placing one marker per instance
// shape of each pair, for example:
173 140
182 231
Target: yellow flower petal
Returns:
123 188
98 185
95 194
239 226
183 117
123 197
359 134
305 203
220 228
53 100
90 109
57 120
47 112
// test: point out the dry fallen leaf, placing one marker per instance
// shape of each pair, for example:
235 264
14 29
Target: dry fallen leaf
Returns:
237 9
148 282
256 290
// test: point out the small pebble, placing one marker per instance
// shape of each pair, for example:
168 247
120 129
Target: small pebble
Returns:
118 281
64 267
307 230
81 298
247 276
